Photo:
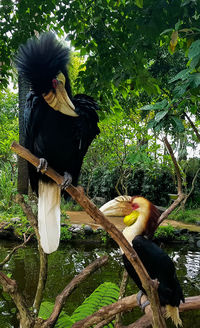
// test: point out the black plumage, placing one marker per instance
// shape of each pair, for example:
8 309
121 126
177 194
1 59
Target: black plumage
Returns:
58 127
158 265
61 139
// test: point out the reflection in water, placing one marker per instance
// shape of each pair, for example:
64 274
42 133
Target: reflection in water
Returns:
69 260
192 263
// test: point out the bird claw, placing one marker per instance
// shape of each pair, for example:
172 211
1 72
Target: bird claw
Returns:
43 165
67 180
140 304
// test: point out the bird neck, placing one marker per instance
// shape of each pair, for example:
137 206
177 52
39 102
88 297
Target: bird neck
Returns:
135 229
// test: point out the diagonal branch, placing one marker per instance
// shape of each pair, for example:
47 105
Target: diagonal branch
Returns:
125 304
181 195
61 298
8 257
10 287
149 285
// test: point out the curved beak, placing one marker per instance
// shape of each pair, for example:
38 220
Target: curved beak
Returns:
131 218
59 99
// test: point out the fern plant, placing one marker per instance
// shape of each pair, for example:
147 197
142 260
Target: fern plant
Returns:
103 295
107 293
64 320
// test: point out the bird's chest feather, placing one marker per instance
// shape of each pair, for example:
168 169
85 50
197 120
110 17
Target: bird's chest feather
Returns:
58 139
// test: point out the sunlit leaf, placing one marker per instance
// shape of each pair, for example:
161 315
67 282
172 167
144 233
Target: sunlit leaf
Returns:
159 116
174 40
139 3
159 105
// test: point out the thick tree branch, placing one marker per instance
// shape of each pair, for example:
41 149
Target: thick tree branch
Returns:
10 287
125 304
149 285
61 298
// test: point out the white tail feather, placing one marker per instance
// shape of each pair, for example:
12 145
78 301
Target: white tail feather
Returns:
49 216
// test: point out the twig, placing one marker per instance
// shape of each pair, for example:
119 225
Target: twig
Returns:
121 295
193 126
8 257
181 196
178 173
43 257
61 298
149 285
192 187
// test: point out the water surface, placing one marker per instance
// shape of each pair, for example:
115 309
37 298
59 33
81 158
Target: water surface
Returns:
71 258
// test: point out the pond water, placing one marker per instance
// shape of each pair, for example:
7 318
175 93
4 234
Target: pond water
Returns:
71 258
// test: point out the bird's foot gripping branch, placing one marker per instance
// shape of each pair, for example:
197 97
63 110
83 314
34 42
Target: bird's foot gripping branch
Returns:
149 285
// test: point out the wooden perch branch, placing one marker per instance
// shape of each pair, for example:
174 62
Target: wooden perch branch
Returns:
61 298
149 285
125 304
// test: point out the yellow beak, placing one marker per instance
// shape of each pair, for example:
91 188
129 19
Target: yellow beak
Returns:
131 218
60 100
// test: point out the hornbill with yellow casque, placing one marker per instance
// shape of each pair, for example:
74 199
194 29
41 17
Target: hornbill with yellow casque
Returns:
58 127
141 224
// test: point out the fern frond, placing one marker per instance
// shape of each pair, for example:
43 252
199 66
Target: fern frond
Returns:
103 295
46 309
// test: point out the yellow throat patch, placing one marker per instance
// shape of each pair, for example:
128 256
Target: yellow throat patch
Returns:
131 218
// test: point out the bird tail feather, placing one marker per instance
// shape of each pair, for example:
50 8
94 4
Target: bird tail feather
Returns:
173 313
49 216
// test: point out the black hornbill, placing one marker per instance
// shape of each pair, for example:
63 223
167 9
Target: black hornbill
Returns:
142 223
58 127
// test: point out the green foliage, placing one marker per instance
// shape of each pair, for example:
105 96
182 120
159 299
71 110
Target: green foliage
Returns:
165 232
46 309
169 233
186 215
103 295
9 130
7 186
65 234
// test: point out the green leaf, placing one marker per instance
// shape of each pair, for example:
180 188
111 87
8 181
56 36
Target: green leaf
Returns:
159 116
182 75
46 309
103 295
194 49
194 80
139 3
159 105
177 123
180 90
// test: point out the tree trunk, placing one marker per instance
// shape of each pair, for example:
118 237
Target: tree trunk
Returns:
22 182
